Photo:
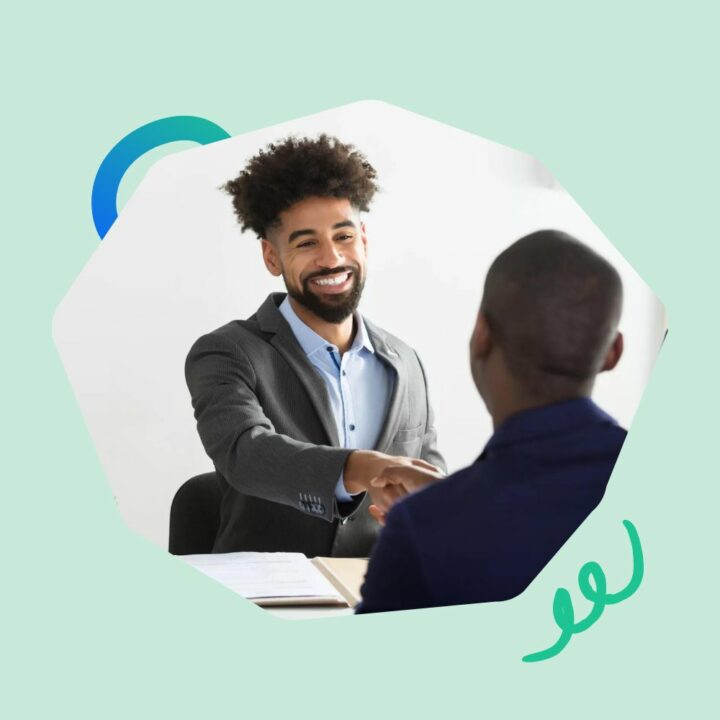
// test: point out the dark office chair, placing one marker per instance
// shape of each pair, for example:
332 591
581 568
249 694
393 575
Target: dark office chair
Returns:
195 515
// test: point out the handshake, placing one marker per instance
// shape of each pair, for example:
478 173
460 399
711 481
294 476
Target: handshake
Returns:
387 478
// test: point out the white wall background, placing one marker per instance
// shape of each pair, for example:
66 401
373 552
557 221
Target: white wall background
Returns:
175 266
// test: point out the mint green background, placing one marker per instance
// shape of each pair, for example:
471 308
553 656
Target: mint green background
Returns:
618 100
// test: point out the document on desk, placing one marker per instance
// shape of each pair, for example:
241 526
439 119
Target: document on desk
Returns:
269 578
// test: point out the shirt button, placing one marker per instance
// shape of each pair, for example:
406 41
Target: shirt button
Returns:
344 373
352 427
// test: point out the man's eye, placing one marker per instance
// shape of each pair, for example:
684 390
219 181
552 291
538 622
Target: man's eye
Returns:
307 243
345 237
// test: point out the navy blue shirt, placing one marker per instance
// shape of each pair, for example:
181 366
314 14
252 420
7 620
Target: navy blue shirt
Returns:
485 532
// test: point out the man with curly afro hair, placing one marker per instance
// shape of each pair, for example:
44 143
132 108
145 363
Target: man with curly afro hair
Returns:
304 403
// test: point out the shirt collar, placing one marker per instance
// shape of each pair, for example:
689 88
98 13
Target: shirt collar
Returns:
547 420
311 342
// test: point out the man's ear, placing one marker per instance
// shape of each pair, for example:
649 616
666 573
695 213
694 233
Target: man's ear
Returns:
272 262
481 341
614 353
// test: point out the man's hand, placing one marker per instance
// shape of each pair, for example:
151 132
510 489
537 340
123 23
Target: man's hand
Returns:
379 475
378 514
412 478
361 467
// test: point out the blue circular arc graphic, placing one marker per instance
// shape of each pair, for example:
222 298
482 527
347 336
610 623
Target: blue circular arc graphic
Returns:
134 145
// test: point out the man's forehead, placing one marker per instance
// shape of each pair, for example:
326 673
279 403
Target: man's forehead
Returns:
318 214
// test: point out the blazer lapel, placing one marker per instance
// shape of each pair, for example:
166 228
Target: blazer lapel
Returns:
270 320
389 355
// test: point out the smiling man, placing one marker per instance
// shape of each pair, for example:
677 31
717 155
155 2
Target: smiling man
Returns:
301 405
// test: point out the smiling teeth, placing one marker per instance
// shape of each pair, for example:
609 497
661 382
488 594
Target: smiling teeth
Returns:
339 280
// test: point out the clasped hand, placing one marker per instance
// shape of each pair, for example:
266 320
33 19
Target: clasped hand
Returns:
387 478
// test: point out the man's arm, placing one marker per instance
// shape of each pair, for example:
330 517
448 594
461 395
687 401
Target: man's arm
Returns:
394 579
255 459
243 443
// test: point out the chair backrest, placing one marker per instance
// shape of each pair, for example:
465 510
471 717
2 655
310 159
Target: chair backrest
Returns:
195 515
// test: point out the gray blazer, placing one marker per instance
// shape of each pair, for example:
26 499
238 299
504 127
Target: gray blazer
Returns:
265 420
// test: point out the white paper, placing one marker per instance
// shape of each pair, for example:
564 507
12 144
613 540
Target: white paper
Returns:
256 575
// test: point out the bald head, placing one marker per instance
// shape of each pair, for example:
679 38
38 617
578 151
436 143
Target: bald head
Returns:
552 306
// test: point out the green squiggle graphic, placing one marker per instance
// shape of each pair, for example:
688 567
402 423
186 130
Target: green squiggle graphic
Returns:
593 585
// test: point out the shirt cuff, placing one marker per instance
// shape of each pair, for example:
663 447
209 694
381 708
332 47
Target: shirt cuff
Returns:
341 494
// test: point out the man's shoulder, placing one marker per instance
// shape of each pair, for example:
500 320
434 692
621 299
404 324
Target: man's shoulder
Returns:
255 331
236 329
446 500
510 483
233 335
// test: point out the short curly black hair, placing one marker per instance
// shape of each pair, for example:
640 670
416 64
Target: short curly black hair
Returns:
294 169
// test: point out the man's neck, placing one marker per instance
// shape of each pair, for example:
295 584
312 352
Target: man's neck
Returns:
510 399
339 334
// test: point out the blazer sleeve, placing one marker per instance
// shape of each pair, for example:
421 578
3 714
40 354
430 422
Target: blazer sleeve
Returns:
429 451
242 442
395 578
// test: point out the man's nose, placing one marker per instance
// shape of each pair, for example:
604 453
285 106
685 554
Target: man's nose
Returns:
329 254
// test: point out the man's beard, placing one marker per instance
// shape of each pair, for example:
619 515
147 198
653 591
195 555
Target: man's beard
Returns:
330 308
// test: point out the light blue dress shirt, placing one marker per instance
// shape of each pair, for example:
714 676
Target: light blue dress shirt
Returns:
359 384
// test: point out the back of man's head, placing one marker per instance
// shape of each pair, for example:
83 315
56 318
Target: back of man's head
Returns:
552 306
